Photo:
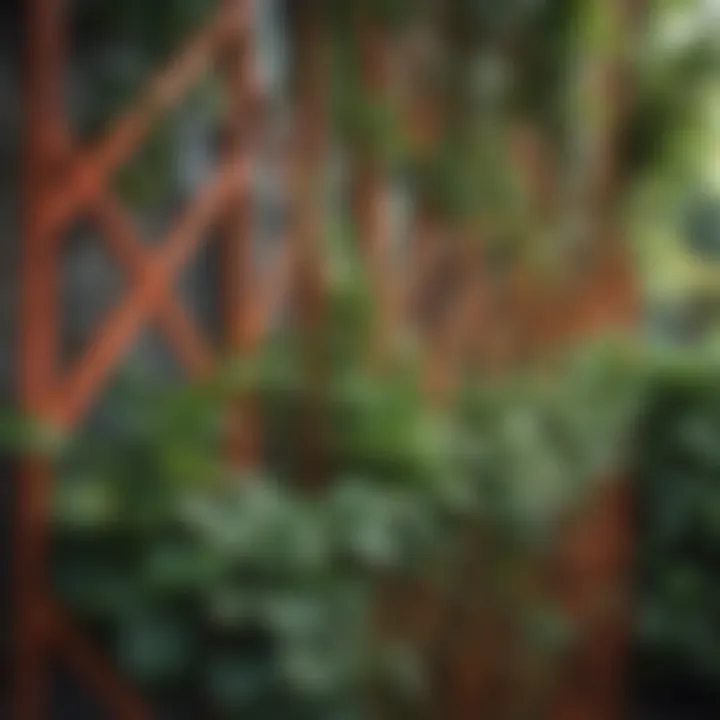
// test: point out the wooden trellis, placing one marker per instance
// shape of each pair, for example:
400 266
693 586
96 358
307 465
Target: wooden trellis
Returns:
65 181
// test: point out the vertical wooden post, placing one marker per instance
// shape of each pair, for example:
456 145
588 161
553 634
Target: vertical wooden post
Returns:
236 237
596 557
38 346
369 188
236 252
310 135
307 187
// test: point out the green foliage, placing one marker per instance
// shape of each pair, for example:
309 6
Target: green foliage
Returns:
702 226
540 444
679 520
672 85
255 589
26 434
256 594
165 566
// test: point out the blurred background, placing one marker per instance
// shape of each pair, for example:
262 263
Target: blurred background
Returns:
431 430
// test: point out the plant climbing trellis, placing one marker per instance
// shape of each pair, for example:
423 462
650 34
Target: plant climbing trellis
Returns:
65 181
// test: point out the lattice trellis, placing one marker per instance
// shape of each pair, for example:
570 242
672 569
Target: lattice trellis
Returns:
65 181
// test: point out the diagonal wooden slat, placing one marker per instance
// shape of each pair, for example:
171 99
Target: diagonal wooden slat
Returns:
121 237
61 184
86 179
249 308
84 659
118 232
73 396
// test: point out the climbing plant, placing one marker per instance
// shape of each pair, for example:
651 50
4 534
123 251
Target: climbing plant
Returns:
252 591
255 592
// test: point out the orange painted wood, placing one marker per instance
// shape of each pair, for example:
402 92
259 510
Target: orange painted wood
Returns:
117 230
74 394
236 229
236 224
593 583
62 181
91 173
37 352
30 630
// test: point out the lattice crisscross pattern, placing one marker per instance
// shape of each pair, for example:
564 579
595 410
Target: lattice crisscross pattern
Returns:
66 181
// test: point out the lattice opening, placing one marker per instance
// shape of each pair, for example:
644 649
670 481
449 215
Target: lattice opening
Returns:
151 356
87 270
198 287
175 160
118 46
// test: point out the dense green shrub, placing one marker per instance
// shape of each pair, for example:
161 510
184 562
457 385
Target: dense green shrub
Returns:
244 591
678 621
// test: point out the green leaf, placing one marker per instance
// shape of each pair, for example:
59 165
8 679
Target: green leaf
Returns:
155 648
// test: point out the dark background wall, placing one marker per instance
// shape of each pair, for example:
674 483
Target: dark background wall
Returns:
10 135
